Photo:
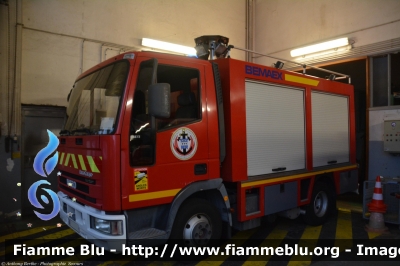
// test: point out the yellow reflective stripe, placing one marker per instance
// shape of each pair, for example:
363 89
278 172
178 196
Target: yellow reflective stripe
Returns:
43 239
153 195
344 230
67 159
301 80
83 166
92 164
25 233
309 238
273 240
287 178
239 239
74 161
61 158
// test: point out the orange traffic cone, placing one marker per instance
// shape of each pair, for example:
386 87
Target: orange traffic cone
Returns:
377 208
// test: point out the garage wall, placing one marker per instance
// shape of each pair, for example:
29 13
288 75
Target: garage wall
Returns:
58 33
57 40
373 25
287 24
10 157
380 162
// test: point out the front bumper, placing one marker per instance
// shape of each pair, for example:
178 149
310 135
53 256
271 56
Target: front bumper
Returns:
77 217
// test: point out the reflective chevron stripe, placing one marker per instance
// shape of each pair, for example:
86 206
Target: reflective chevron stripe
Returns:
80 162
92 164
83 166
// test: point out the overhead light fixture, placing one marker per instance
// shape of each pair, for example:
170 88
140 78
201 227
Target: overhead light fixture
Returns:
176 48
330 45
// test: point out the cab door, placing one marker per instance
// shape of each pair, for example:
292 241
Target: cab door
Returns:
173 153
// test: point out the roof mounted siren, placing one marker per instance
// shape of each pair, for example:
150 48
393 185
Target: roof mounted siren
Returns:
215 45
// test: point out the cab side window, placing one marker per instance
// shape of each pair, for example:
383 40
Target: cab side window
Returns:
141 142
185 96
184 103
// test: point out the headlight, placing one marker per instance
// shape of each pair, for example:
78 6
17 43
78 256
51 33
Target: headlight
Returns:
110 227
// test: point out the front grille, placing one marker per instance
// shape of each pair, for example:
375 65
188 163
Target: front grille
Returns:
80 178
79 186
83 186
76 193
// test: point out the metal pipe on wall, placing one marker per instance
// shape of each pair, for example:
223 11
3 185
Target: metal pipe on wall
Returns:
83 53
110 44
389 79
13 119
18 74
250 28
9 73
101 52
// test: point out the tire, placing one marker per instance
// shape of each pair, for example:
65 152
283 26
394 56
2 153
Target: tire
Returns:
321 205
196 223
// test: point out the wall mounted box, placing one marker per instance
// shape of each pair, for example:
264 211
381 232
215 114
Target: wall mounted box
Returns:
391 136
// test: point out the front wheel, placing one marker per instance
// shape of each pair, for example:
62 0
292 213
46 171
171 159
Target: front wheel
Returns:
321 205
196 223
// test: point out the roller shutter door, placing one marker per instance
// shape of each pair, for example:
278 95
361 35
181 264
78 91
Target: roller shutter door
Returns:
330 129
275 128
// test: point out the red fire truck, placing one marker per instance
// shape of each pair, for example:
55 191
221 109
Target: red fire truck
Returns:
160 146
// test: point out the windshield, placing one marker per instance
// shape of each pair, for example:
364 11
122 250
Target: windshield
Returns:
95 100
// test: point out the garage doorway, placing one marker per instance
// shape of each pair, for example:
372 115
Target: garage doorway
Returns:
36 120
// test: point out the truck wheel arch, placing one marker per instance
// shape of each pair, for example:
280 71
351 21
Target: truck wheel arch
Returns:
212 190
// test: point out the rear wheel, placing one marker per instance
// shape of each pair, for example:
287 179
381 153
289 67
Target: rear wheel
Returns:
321 205
196 223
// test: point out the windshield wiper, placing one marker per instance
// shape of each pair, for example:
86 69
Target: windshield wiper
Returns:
65 132
82 131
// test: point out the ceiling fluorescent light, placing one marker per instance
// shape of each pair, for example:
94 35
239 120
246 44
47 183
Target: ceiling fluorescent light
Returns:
320 47
176 48
325 53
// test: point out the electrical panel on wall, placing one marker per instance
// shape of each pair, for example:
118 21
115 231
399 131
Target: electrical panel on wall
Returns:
391 135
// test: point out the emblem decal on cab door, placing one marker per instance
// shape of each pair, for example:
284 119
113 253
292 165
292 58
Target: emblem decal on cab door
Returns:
184 143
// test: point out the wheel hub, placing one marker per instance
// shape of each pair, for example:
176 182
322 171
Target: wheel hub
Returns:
197 230
320 204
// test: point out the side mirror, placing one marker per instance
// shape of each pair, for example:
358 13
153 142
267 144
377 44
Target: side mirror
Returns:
159 100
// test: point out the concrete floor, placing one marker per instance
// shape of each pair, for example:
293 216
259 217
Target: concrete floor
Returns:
350 201
350 209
